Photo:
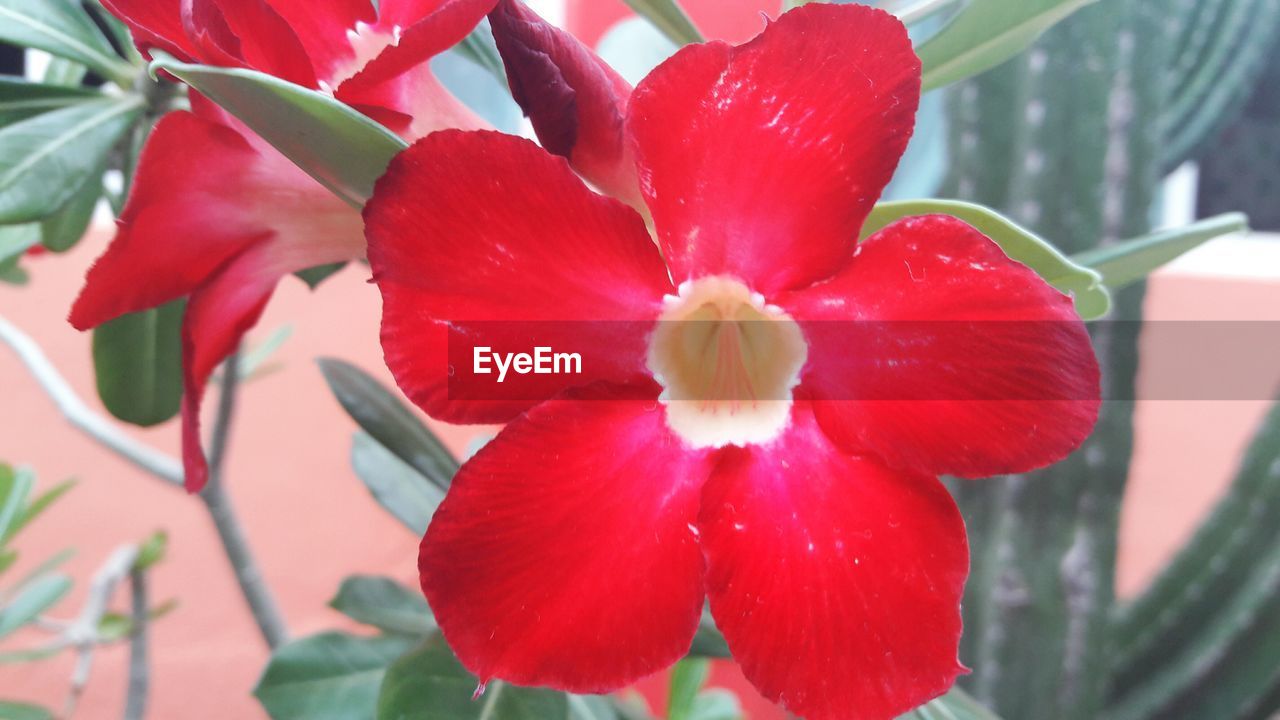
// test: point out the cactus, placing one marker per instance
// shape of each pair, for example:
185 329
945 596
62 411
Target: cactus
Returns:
1071 139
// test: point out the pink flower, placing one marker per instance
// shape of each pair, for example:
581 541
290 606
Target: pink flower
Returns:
770 438
216 214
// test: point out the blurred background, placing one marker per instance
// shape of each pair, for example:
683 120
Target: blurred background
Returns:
311 520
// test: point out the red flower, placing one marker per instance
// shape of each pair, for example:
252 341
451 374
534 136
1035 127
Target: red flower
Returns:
218 215
576 549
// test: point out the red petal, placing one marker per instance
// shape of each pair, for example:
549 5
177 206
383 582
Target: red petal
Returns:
565 554
935 351
575 101
267 42
154 24
322 28
183 221
836 582
762 161
399 79
491 230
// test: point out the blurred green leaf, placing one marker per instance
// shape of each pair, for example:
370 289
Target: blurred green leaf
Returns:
15 239
15 486
955 705
1127 262
35 508
10 273
337 145
331 676
31 599
687 679
384 604
64 72
401 490
716 704
986 33
27 656
254 362
318 274
1084 285
479 48
62 28
152 550
591 707
430 684
8 557
670 18
381 414
138 362
62 230
22 711
46 159
21 99
709 642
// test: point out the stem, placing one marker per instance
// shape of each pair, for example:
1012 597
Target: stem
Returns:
266 612
135 707
108 434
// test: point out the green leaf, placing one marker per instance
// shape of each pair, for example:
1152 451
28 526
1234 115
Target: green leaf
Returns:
152 550
46 159
62 230
401 490
62 28
1132 260
337 145
315 275
23 711
35 508
955 705
479 48
670 18
254 362
381 414
138 362
687 679
430 684
15 239
64 72
1084 285
31 599
716 704
15 486
10 273
709 642
21 99
985 34
384 604
591 707
331 676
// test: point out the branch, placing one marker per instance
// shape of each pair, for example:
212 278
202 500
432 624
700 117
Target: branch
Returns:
135 707
107 433
266 613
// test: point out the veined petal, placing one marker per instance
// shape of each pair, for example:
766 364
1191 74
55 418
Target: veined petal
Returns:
202 195
397 86
500 240
223 309
762 161
565 554
935 351
154 24
324 28
576 102
266 41
835 581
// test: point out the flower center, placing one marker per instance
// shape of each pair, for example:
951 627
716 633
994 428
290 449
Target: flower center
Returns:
727 363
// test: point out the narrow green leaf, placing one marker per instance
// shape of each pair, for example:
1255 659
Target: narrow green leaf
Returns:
62 28
46 159
337 145
152 550
381 414
430 684
138 362
384 604
331 676
479 48
31 599
23 711
670 18
8 557
687 679
10 273
591 707
254 362
26 656
15 486
1132 260
985 34
15 239
1084 285
35 508
21 99
315 275
955 705
64 72
62 230
401 490
716 704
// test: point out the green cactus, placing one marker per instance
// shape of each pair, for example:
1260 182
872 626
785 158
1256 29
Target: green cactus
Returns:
1071 139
